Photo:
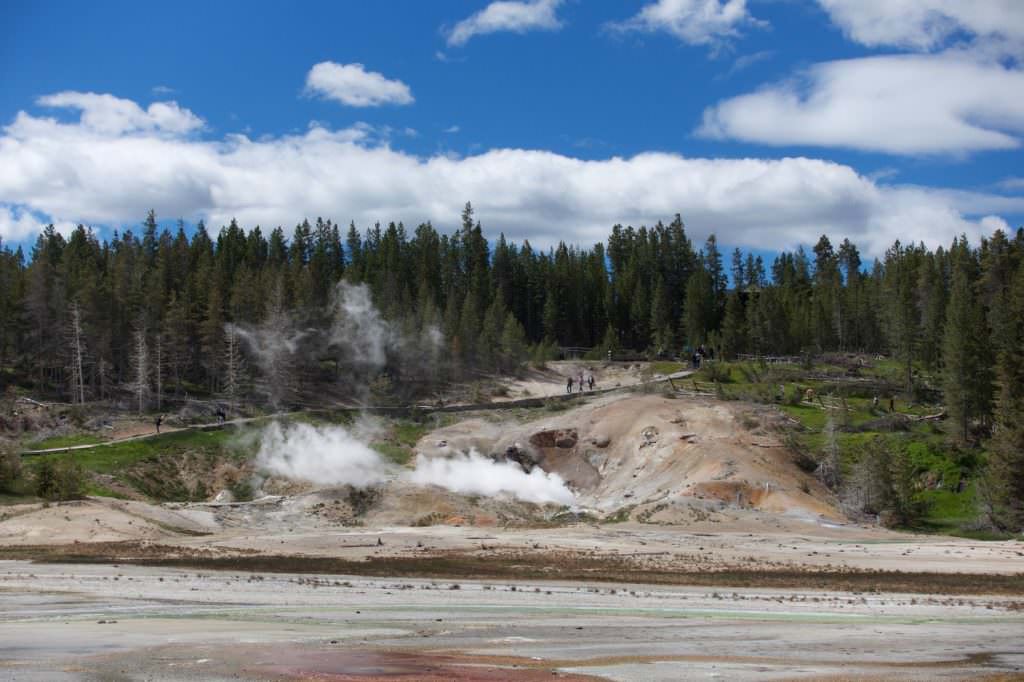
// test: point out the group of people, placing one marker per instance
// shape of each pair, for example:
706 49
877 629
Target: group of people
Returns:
697 359
220 414
570 382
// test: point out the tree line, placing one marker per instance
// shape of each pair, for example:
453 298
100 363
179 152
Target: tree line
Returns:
78 312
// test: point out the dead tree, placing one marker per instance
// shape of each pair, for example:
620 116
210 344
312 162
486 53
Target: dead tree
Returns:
140 368
232 365
158 372
76 343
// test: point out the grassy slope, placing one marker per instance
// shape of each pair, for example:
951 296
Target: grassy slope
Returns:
149 465
949 509
65 441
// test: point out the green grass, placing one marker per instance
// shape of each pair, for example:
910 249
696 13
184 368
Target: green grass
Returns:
810 417
110 459
64 441
402 437
399 454
408 432
666 367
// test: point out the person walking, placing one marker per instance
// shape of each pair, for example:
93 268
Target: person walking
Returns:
590 382
581 382
568 385
159 420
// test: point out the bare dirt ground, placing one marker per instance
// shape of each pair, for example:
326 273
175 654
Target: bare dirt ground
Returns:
130 622
551 380
695 549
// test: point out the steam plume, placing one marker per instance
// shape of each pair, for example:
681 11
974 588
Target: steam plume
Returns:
326 455
474 474
334 455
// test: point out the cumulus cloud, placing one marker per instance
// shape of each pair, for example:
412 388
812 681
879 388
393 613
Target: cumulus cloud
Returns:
17 224
354 86
113 115
70 171
925 24
951 102
505 15
695 22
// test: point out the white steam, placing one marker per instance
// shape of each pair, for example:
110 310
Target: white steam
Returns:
359 328
474 474
334 455
328 455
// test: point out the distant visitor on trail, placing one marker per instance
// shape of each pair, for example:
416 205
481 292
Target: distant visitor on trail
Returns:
590 382
581 382
159 420
221 415
568 385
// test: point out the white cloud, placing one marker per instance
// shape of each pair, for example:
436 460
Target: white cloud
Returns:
925 24
1012 184
695 22
163 90
354 86
952 102
451 130
516 17
18 224
76 173
113 115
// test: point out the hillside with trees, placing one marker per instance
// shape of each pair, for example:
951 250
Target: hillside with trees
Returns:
145 319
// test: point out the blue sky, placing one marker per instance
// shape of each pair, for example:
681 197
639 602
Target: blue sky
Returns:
767 122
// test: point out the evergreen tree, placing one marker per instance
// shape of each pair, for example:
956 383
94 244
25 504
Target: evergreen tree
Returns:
1003 485
966 382
733 332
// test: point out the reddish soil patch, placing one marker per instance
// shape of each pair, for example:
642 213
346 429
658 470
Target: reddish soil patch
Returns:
366 666
731 492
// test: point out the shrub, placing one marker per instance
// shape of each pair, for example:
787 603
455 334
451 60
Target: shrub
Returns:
241 490
10 467
62 480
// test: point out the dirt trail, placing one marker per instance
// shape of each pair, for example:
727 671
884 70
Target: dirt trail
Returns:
164 430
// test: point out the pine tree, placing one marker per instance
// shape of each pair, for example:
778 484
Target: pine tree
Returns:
966 382
212 337
489 352
699 307
1003 485
733 333
513 343
661 320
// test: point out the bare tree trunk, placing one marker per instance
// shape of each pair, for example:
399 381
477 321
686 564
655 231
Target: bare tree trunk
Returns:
77 370
232 365
159 372
140 365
